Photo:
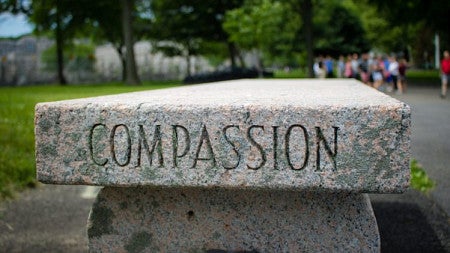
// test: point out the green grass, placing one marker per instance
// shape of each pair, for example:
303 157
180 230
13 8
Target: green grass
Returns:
423 74
17 161
293 73
423 77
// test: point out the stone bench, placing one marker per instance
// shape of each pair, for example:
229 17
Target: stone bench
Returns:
239 166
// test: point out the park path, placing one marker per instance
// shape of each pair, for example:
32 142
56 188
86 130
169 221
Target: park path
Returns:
49 218
416 222
52 218
430 138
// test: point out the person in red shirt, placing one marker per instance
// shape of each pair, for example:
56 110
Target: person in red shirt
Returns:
445 73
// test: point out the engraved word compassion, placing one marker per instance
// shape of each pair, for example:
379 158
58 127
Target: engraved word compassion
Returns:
229 147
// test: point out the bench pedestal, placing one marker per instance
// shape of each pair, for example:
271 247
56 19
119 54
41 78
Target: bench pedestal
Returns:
220 220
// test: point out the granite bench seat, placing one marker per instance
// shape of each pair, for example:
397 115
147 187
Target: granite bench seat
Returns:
249 165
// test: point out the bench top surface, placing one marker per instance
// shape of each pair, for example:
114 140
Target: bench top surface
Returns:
320 135
251 92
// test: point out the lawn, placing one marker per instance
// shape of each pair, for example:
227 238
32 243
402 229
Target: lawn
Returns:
17 162
292 73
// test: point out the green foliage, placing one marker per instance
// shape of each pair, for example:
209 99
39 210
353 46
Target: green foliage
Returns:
79 57
268 26
375 25
384 33
190 27
339 31
275 29
433 13
419 179
411 26
47 15
17 161
190 22
215 52
15 6
168 49
48 58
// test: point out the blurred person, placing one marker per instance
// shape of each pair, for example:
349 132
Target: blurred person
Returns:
316 67
348 67
328 64
386 73
371 69
341 66
393 71
322 70
371 59
377 75
445 73
364 68
402 66
355 66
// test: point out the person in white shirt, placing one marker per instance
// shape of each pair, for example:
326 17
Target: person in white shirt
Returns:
393 69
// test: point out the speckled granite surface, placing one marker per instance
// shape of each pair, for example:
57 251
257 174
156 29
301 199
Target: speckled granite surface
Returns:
334 135
228 220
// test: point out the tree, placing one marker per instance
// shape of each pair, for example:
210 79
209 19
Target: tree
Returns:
15 7
127 29
265 25
216 53
328 27
176 30
80 57
102 17
115 23
306 11
414 17
100 20
190 23
346 35
65 20
55 16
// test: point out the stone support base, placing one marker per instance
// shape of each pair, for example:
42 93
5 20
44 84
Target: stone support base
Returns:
221 220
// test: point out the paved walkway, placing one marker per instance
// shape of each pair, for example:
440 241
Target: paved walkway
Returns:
53 218
431 138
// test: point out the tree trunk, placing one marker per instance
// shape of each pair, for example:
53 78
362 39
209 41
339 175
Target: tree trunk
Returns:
188 63
119 50
260 65
307 14
59 46
130 66
232 52
241 59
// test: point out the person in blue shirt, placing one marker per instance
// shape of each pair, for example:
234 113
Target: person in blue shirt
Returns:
329 66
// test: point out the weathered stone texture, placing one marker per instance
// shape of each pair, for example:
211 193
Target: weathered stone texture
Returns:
334 135
144 219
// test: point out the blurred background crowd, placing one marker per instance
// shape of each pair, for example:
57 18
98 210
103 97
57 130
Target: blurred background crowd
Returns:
378 71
